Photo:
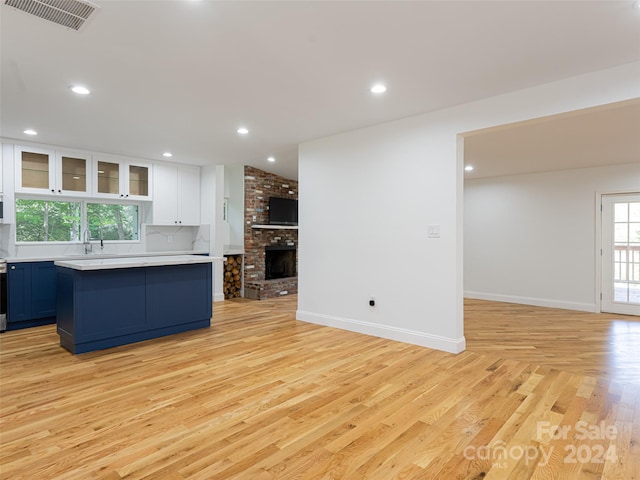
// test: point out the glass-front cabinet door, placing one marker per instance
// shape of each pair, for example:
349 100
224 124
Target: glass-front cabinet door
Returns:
108 179
48 172
73 174
35 170
138 179
122 179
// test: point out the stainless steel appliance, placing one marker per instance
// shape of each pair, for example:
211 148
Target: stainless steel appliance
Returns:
3 295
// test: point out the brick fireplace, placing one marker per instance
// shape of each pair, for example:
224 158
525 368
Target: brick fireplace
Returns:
271 260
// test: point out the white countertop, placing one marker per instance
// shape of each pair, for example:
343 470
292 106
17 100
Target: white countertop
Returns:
94 256
120 262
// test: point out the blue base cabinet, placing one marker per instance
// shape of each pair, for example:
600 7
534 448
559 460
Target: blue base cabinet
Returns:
31 292
99 309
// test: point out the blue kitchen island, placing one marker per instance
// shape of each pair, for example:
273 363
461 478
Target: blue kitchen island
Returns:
103 303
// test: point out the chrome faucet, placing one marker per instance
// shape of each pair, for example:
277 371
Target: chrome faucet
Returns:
88 247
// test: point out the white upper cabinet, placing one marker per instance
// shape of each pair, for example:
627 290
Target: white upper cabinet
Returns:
57 173
176 195
1 165
123 179
189 195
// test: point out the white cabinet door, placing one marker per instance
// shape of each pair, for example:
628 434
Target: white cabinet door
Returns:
35 170
165 195
1 160
72 174
189 195
137 177
107 179
176 195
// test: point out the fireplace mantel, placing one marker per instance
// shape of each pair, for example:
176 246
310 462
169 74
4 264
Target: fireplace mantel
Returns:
276 227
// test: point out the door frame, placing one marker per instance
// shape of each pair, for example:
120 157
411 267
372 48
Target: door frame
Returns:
598 251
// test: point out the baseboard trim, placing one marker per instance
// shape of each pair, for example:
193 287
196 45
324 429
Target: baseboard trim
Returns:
218 297
537 302
446 344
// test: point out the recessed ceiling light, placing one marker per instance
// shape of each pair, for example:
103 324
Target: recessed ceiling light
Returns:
167 154
30 131
636 5
468 168
271 159
243 131
80 90
378 88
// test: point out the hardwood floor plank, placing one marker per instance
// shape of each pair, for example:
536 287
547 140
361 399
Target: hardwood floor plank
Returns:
603 345
262 396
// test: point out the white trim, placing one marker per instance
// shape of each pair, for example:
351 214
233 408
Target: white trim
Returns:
538 302
459 298
218 297
598 252
451 345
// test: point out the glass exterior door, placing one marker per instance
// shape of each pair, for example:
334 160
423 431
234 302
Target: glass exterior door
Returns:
621 254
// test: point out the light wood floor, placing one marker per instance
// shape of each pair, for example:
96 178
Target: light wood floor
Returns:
604 345
260 395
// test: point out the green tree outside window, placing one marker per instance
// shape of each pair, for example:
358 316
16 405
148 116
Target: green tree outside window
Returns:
112 222
47 221
57 221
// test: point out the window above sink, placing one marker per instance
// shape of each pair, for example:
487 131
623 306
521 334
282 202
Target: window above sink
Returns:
64 221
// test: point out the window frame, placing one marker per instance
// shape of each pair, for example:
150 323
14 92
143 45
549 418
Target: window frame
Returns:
99 201
84 201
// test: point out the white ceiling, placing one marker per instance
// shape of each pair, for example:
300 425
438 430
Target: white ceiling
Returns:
606 135
182 75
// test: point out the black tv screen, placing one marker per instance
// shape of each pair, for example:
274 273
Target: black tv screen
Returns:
283 211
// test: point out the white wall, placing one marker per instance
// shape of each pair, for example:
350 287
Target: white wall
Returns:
211 198
531 239
234 194
368 196
366 200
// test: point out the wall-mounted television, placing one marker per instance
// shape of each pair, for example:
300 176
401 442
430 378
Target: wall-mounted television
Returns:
283 211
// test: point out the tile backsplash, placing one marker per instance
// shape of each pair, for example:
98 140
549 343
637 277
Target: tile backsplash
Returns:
153 238
163 238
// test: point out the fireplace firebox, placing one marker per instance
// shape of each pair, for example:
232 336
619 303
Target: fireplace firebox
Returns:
280 261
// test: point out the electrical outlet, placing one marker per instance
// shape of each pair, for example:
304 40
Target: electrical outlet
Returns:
169 238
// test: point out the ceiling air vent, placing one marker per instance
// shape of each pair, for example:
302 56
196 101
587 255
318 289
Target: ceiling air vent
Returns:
68 13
